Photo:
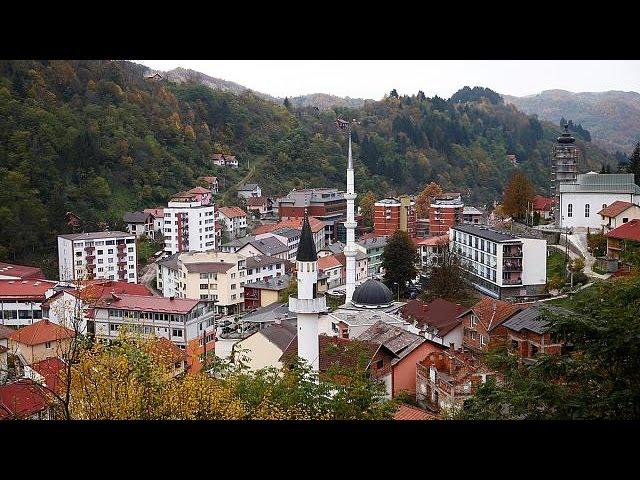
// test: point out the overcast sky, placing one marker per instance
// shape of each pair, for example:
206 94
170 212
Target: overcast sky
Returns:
374 78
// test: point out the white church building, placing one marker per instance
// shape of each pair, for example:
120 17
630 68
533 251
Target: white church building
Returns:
581 201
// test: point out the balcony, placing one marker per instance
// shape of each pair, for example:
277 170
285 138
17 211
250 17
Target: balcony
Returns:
91 266
512 253
511 267
122 246
512 281
122 254
122 263
90 258
89 249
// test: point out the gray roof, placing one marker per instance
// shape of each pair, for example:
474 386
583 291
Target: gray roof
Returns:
398 341
274 283
248 187
269 313
171 262
533 318
373 242
239 242
471 211
94 235
364 317
269 246
208 267
136 217
261 260
494 235
336 247
602 182
287 232
280 334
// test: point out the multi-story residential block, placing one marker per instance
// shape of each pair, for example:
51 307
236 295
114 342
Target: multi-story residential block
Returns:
430 249
373 248
445 211
235 221
480 322
140 223
592 192
622 238
317 229
9 271
500 264
392 214
97 255
249 190
189 225
618 213
185 322
21 300
326 204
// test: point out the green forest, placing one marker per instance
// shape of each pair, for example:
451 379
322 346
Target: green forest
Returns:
97 138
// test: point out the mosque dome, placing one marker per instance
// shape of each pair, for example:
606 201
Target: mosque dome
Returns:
372 294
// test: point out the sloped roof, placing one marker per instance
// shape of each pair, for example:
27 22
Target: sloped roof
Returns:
328 262
626 231
493 312
166 349
615 209
25 289
41 332
292 222
274 283
542 203
22 399
397 340
439 313
269 246
148 304
280 334
261 261
20 271
51 370
409 412
431 241
199 190
602 182
334 351
136 217
232 212
208 267
256 201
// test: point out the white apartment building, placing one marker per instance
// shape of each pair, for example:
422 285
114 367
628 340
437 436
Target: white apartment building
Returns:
189 225
235 220
592 192
97 255
21 300
500 264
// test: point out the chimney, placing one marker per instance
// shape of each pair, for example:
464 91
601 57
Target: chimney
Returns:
277 321
452 346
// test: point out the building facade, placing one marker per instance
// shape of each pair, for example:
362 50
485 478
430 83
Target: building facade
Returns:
392 214
21 300
445 211
235 221
189 225
249 190
97 255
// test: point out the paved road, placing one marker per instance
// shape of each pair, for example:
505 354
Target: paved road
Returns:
580 241
147 275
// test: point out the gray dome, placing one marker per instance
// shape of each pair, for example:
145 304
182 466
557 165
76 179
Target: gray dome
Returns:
371 294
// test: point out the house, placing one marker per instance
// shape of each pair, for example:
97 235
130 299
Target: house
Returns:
74 222
480 321
189 225
430 249
103 255
235 221
373 248
50 372
406 348
472 215
288 236
211 183
10 271
622 238
140 224
438 320
446 378
317 228
409 412
267 245
618 213
224 160
175 358
25 399
249 190
260 293
201 194
332 267
260 206
21 300
543 206
362 266
526 332
158 219
264 347
591 193
40 340
499 263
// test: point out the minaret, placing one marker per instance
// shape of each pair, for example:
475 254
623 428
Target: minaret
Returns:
307 303
350 250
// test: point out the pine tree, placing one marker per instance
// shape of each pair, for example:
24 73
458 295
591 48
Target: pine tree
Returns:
399 261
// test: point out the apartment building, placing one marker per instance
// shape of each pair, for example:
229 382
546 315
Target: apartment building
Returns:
235 221
189 225
97 255
185 322
373 248
500 264
445 211
21 300
392 214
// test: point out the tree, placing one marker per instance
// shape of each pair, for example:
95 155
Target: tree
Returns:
634 164
446 277
423 200
287 103
399 260
597 244
366 208
393 93
517 195
597 378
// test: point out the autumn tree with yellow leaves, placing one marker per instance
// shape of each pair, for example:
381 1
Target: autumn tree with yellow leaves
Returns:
423 200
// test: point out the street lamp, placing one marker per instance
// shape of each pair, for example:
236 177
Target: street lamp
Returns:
398 285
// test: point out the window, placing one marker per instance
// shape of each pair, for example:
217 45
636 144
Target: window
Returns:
176 332
483 340
47 345
570 210
204 286
587 207
110 251
474 320
130 249
379 364
625 220
473 334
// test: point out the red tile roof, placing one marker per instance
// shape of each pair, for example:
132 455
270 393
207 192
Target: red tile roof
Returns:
52 369
156 212
198 190
439 313
209 179
148 304
25 289
431 241
232 212
20 271
409 412
328 262
22 398
256 201
615 209
492 312
626 231
41 332
542 203
165 348
292 222
94 290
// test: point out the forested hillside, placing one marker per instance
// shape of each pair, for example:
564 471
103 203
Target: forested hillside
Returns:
97 138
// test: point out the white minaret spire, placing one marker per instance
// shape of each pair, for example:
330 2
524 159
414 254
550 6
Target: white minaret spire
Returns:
307 303
350 250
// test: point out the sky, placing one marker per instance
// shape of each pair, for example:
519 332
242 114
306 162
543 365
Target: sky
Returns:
373 78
